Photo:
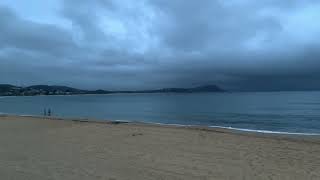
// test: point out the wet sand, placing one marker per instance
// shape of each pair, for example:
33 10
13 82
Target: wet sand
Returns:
42 149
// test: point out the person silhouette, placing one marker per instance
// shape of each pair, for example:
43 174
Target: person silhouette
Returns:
49 112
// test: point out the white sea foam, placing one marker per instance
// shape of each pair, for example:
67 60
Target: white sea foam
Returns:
123 121
241 129
244 130
266 131
26 115
179 125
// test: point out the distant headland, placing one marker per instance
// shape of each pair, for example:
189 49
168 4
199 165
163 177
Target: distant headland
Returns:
11 90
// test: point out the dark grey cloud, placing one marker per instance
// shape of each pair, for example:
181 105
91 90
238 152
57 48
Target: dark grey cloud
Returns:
28 36
238 44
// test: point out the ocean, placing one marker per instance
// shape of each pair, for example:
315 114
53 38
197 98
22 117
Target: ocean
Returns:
269 112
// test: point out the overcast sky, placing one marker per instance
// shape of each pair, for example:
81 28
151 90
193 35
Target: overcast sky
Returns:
142 44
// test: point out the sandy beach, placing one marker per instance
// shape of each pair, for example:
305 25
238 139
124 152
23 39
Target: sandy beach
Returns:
42 149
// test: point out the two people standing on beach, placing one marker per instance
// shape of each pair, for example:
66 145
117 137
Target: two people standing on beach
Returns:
47 113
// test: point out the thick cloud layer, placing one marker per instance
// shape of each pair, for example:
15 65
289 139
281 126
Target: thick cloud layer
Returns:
237 44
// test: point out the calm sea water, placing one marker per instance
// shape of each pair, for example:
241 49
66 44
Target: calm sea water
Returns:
295 112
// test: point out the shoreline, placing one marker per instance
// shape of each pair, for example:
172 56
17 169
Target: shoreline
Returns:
116 93
231 130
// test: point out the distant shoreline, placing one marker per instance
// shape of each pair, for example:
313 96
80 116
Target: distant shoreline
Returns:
10 90
116 94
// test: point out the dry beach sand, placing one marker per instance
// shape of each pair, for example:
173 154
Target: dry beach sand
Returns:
41 149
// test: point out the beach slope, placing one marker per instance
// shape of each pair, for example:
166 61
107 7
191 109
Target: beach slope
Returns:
42 149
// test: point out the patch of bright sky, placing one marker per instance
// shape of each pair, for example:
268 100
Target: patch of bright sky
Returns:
257 42
39 11
298 27
113 27
303 25
129 25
